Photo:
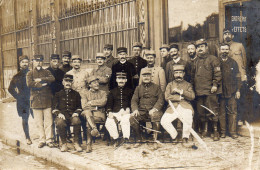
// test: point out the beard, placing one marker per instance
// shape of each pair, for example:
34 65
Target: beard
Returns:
224 55
192 54
228 39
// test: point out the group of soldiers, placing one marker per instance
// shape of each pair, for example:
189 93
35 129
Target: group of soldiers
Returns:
124 93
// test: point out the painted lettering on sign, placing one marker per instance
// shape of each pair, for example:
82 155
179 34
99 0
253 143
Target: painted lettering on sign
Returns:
238 19
239 29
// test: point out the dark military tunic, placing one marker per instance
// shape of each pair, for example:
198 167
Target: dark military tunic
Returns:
138 63
67 102
169 69
65 68
21 92
118 98
127 68
111 61
57 85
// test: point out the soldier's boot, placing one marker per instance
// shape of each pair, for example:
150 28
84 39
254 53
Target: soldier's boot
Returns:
92 124
64 147
89 148
156 126
77 147
216 134
89 140
185 142
204 129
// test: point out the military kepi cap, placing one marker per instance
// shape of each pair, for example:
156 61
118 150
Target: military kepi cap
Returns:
121 49
226 30
121 74
100 55
66 54
166 46
178 68
150 52
55 56
23 57
92 78
200 42
76 57
174 46
108 46
146 71
68 77
138 44
38 57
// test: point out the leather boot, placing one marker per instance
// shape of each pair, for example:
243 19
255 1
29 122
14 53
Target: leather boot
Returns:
205 129
216 134
89 148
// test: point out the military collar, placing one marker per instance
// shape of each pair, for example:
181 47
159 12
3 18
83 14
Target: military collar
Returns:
147 84
176 60
123 62
76 71
67 90
192 59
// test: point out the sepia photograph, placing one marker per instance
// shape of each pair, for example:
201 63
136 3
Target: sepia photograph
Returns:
129 84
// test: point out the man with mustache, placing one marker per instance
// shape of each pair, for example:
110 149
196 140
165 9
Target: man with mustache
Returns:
118 110
123 66
158 74
137 61
238 53
164 51
147 103
58 74
180 93
93 104
176 60
20 91
103 73
39 80
67 108
231 83
65 66
110 60
207 85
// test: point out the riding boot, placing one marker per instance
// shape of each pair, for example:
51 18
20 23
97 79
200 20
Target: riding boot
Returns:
216 134
204 129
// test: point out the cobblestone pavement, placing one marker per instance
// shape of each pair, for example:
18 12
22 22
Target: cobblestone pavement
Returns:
227 153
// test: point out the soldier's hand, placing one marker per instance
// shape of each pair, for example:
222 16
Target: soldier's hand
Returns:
213 89
75 114
38 80
61 116
237 95
151 112
176 90
136 113
110 115
44 84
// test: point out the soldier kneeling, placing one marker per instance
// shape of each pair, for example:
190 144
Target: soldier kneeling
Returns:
67 108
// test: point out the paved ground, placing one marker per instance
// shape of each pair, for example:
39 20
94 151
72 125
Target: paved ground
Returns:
226 153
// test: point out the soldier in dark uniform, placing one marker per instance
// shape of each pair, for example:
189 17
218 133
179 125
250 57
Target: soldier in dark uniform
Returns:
118 108
208 86
164 50
65 65
123 66
58 74
67 108
20 91
147 103
110 60
137 61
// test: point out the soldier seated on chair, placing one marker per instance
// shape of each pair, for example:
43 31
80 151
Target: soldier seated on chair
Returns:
93 104
67 108
118 109
147 103
179 92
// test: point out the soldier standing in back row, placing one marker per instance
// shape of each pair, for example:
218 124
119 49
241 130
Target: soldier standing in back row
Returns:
20 91
207 81
108 53
65 65
137 61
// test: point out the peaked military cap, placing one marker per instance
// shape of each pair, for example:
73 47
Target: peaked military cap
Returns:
150 52
38 57
66 54
100 55
178 68
166 46
23 57
76 57
121 74
68 77
92 78
121 49
200 42
174 46
138 44
55 56
226 30
108 46
146 71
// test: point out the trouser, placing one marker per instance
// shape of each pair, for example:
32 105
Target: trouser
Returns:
144 114
228 106
211 103
44 121
24 112
244 103
168 118
111 125
62 126
92 117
